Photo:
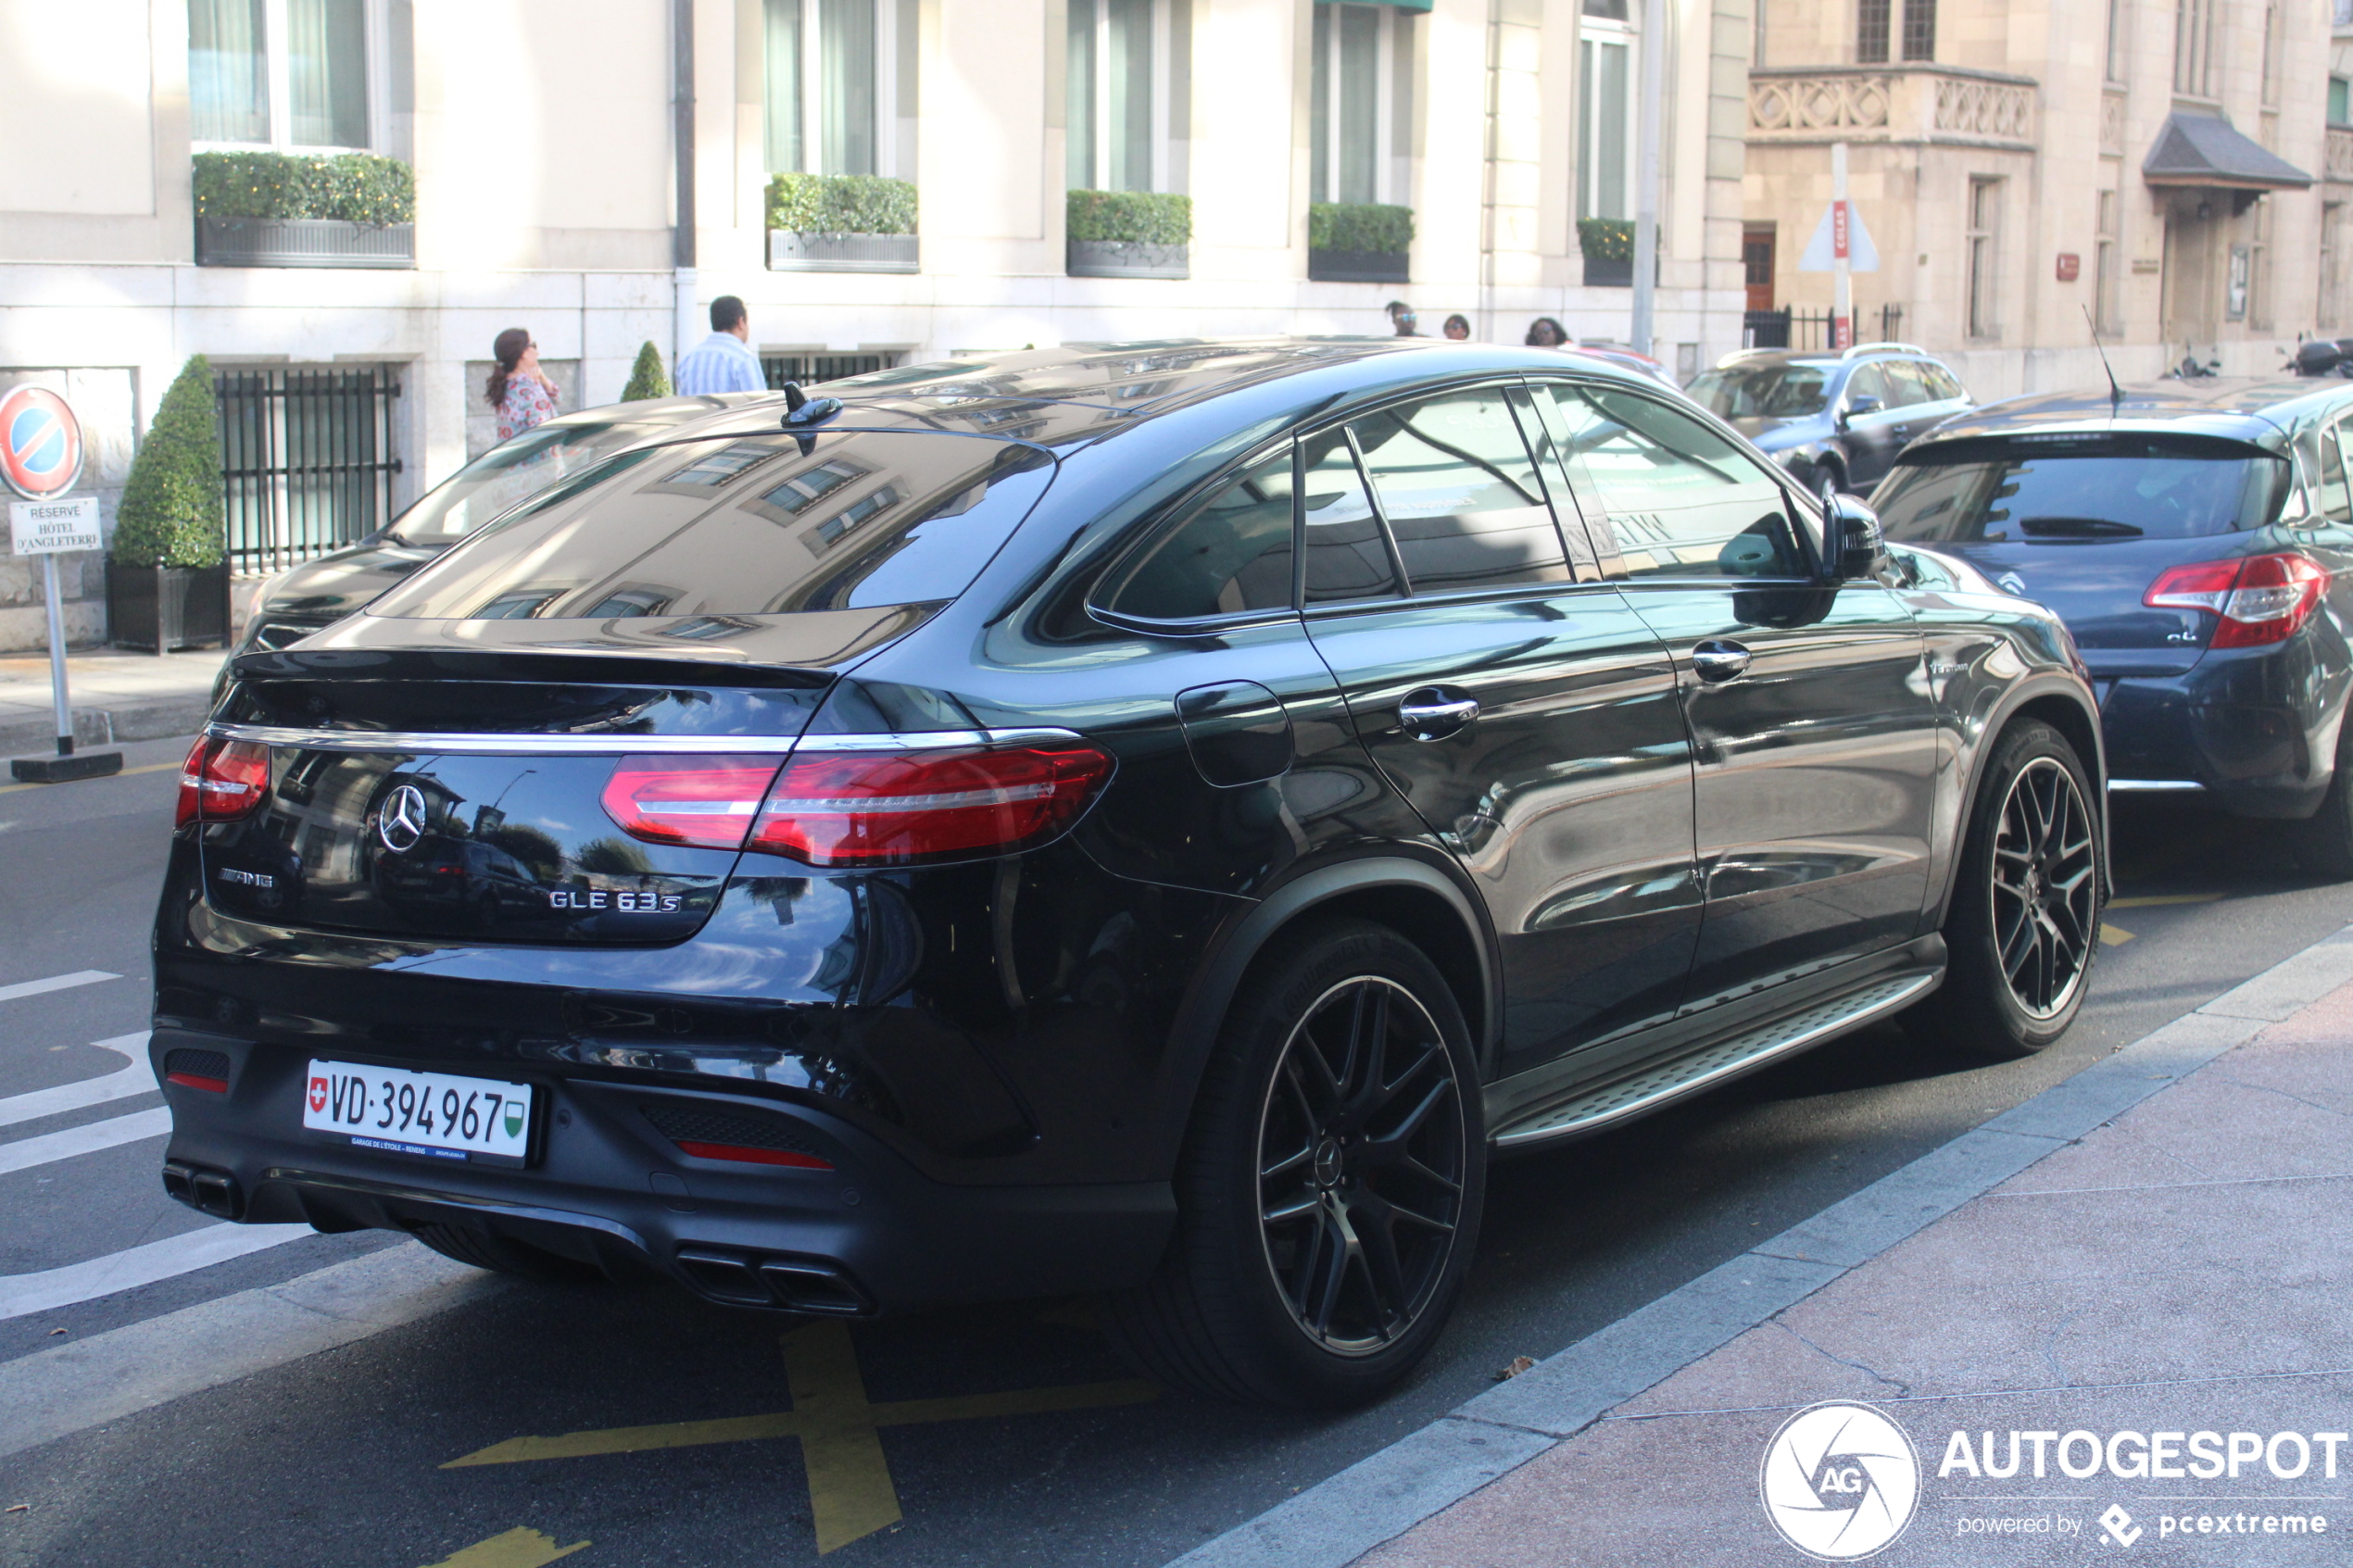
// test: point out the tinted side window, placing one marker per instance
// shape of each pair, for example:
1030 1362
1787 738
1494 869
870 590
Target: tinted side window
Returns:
1345 555
1942 382
1909 386
1681 500
1870 381
1231 554
2336 498
1460 493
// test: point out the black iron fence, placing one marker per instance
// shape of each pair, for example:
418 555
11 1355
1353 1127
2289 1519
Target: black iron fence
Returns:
308 458
1809 331
811 368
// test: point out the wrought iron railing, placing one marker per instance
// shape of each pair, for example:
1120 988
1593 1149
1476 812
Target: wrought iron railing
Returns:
308 456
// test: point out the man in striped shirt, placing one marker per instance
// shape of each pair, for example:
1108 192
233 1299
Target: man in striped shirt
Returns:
724 362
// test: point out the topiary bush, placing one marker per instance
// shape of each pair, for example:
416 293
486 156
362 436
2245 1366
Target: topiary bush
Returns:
646 377
1156 217
356 187
1360 226
1606 239
841 204
172 512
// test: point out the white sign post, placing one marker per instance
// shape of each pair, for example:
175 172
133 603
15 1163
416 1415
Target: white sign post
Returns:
1841 247
48 529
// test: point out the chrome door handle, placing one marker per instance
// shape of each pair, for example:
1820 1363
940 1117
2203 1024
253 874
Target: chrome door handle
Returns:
1719 660
1430 714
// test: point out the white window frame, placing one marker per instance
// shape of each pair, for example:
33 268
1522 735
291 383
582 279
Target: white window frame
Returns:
1164 44
811 104
1605 32
1388 177
376 33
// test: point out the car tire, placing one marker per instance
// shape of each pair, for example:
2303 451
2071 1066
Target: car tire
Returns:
2327 836
2023 929
1329 1187
481 1249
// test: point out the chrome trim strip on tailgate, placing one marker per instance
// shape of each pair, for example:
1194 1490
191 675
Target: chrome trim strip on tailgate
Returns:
429 744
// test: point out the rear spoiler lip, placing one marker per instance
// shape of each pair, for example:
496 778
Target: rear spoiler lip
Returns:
571 668
624 743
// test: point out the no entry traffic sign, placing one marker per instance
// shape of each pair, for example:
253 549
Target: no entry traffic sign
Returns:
40 442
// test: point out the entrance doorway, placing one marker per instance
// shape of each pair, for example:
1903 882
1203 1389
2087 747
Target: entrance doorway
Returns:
2193 288
1757 260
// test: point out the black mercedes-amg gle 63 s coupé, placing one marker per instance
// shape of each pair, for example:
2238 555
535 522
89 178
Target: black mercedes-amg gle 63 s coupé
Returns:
1151 819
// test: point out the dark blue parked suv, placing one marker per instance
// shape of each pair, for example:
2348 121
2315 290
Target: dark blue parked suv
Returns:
2197 538
1834 421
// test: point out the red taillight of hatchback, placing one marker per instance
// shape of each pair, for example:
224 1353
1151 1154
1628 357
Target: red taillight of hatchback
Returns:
2259 600
706 802
221 780
897 808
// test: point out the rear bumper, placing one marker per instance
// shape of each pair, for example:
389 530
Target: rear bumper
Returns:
2257 730
606 1187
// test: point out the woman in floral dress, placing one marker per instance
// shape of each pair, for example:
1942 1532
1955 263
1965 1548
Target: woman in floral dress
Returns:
517 388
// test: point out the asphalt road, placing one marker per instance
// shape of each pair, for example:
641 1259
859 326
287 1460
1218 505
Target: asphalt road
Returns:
339 1459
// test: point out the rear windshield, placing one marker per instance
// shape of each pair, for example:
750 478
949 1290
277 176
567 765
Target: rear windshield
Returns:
747 525
516 470
1768 392
1993 492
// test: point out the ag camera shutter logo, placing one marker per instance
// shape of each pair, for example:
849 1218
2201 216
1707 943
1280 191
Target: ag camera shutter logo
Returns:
1840 1481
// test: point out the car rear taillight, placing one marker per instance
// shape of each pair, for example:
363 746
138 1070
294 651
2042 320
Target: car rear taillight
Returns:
221 780
705 801
2261 599
849 809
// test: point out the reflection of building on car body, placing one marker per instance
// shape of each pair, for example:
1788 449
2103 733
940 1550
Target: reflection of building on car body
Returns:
1143 818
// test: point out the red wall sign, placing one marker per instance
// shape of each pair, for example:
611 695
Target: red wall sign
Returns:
2070 267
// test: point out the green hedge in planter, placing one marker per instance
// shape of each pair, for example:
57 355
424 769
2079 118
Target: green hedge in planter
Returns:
172 512
356 187
1152 217
1606 239
841 204
646 378
1360 226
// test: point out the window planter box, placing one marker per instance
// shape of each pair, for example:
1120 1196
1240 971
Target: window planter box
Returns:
1357 266
798 250
164 607
1126 259
1609 272
304 242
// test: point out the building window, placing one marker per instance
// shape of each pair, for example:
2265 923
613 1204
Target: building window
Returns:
832 69
1118 96
2340 99
1875 30
1605 111
1984 256
2274 45
1363 104
2258 272
285 73
2107 268
2330 306
2194 48
2117 64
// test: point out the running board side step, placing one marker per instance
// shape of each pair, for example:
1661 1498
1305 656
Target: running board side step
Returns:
1648 1088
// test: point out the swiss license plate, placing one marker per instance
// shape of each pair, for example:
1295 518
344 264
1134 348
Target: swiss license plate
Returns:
435 1114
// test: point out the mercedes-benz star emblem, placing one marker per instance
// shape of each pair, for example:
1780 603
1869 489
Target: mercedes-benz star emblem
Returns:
402 821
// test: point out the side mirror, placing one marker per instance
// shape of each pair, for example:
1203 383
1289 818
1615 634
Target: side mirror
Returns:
1856 544
1859 405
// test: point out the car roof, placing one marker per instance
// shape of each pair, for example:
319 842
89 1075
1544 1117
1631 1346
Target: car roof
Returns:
1080 392
2259 410
1821 359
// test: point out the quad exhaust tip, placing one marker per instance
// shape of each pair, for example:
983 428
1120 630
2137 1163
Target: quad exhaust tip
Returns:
200 1186
796 1283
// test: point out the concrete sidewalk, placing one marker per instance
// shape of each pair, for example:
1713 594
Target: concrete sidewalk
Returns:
116 696
2178 1276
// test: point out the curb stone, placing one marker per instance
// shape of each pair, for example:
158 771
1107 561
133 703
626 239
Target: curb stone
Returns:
1389 1491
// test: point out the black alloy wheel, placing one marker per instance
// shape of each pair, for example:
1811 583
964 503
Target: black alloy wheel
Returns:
2045 888
2326 838
2023 929
1329 1188
1361 1166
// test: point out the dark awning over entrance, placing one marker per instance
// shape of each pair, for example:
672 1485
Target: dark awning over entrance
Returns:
2208 152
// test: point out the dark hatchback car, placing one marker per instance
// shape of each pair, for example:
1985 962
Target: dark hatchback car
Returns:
1142 818
2197 537
1835 421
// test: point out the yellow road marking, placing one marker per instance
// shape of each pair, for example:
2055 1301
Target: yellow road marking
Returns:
124 774
2115 936
2153 900
851 1492
518 1547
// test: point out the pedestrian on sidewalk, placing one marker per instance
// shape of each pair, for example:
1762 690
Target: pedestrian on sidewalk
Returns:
724 362
1546 333
517 388
1457 329
1402 319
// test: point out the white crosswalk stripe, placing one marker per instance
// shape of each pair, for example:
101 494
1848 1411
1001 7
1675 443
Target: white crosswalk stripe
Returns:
55 983
121 1083
135 1266
88 1139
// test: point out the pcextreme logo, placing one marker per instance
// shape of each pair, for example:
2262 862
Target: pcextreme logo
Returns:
1840 1481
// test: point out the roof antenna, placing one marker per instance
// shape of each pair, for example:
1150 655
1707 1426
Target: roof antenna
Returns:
2115 393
